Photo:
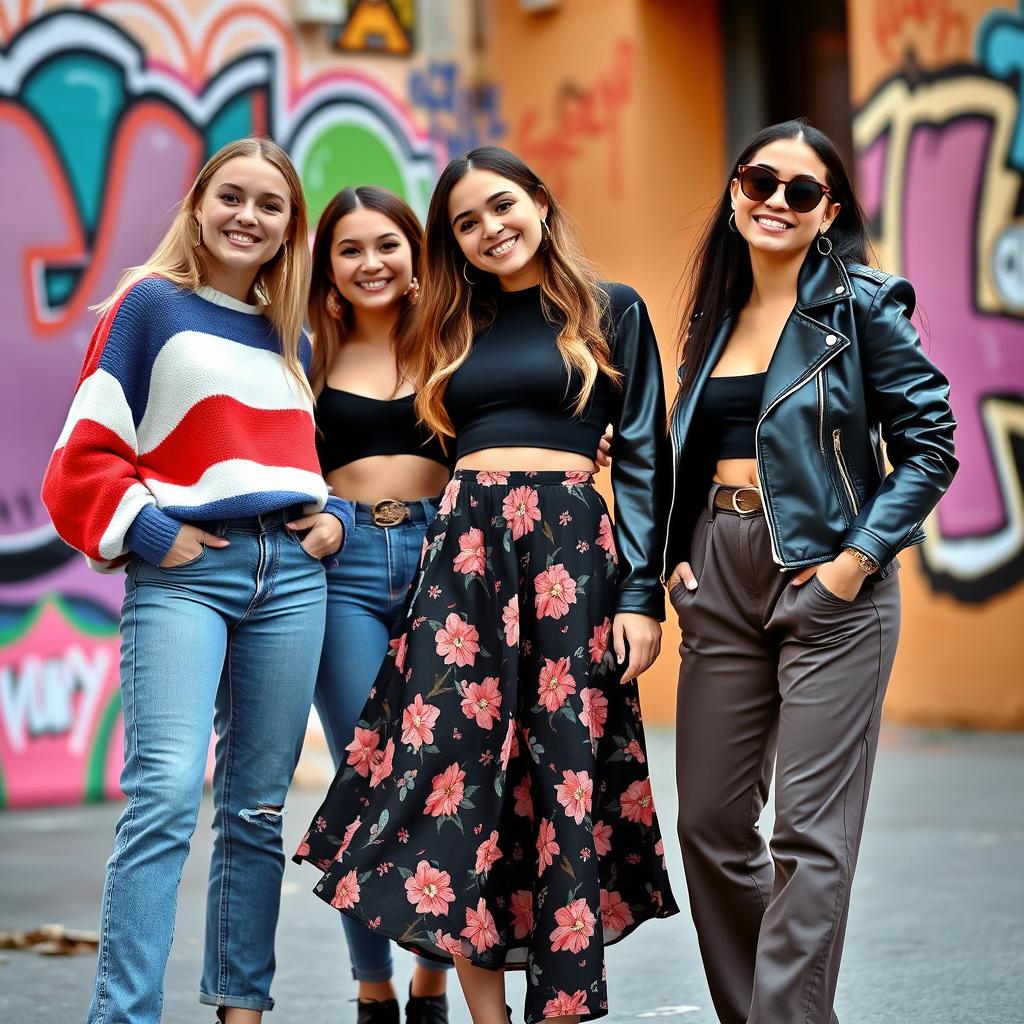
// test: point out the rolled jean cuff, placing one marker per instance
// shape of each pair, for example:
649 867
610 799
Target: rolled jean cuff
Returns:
433 965
384 973
240 1002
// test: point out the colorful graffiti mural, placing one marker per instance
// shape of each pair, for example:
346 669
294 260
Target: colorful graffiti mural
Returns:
378 26
103 125
941 167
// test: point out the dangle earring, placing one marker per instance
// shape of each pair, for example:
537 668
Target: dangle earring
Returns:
465 275
335 308
545 235
198 244
412 293
828 244
732 221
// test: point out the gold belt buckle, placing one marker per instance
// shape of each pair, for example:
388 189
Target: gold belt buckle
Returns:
389 512
735 503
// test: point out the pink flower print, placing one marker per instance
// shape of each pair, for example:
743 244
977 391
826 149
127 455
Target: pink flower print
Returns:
602 839
487 854
400 647
490 477
381 764
472 559
361 750
480 929
595 711
424 548
521 909
510 616
582 547
574 793
564 518
556 590
637 803
418 721
303 848
430 890
615 913
598 643
520 509
576 477
585 853
547 848
346 840
483 702
635 751
347 893
575 927
447 942
556 684
450 496
403 835
457 642
565 1005
606 539
433 591
524 799
510 745
659 849
446 795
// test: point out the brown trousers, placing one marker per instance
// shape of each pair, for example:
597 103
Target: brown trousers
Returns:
793 678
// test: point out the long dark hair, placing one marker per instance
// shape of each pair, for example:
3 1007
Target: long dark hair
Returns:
328 333
451 310
719 269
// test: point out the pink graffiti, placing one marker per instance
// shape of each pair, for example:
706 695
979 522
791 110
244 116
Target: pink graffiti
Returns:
982 353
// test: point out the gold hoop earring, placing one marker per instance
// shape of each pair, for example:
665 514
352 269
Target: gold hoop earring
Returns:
198 244
828 242
412 293
334 304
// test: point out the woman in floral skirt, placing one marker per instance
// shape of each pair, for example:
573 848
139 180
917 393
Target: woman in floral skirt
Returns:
495 804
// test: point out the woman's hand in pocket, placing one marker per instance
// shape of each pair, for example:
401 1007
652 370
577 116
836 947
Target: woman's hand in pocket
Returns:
842 577
189 545
325 534
682 573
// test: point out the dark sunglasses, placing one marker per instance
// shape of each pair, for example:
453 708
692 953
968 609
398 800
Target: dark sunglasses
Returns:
802 193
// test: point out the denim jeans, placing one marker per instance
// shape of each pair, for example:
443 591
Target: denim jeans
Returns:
229 640
365 598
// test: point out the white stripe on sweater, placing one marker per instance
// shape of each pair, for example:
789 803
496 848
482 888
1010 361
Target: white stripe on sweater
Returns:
234 477
100 398
112 542
193 365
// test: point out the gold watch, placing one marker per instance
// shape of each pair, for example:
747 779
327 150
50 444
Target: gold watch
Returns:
867 564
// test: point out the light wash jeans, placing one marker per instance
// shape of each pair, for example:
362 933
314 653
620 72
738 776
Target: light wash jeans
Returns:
366 594
230 640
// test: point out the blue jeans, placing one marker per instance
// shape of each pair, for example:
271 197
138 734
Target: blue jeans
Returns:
228 640
365 599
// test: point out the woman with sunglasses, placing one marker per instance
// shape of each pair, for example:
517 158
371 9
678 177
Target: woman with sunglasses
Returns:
798 360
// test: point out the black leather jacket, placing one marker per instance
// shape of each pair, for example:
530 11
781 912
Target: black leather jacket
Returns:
848 372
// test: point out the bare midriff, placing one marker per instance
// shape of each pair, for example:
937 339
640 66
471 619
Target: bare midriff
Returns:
737 473
402 477
516 460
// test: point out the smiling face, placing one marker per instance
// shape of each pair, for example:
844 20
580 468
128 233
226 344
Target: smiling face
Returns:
498 227
770 227
245 216
371 260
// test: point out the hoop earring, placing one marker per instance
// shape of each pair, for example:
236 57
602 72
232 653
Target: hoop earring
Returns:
465 276
334 305
412 293
545 234
827 241
732 222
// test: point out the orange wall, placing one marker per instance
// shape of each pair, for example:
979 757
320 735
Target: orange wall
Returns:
618 105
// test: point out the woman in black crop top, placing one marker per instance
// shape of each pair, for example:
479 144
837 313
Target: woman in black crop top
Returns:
499 768
372 452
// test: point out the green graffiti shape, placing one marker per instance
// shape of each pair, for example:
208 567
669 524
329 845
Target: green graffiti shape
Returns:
79 98
344 155
96 767
232 121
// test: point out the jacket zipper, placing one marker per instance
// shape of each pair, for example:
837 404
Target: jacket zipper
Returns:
819 380
837 444
757 452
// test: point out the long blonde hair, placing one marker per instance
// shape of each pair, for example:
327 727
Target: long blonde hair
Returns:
281 283
451 310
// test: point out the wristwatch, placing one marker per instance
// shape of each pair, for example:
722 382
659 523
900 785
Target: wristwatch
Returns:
867 564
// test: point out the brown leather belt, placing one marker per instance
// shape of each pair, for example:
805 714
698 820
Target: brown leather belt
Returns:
741 501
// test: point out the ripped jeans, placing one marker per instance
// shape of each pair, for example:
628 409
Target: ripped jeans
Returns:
230 640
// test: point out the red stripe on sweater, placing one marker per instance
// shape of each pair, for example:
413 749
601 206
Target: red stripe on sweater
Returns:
85 482
221 428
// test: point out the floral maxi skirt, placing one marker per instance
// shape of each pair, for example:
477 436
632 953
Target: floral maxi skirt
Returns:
496 803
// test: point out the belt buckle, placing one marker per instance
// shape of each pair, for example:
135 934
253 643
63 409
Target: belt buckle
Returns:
388 512
735 503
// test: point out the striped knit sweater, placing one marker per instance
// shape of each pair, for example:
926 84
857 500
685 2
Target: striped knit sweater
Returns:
184 412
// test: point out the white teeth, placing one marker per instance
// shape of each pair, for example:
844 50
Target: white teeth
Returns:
502 248
771 222
374 286
237 236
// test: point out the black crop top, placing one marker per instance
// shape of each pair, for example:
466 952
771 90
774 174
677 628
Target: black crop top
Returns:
352 427
727 411
513 390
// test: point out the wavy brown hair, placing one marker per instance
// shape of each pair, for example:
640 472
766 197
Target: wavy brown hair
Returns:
280 283
328 333
451 310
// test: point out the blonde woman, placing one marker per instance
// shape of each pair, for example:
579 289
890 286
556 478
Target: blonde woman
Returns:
189 462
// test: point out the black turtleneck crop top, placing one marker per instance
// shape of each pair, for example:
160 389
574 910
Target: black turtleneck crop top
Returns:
352 427
513 390
728 410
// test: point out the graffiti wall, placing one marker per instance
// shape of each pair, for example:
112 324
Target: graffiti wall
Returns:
107 110
939 134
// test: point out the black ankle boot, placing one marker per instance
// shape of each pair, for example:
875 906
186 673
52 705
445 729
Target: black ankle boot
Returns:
426 1009
377 1011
